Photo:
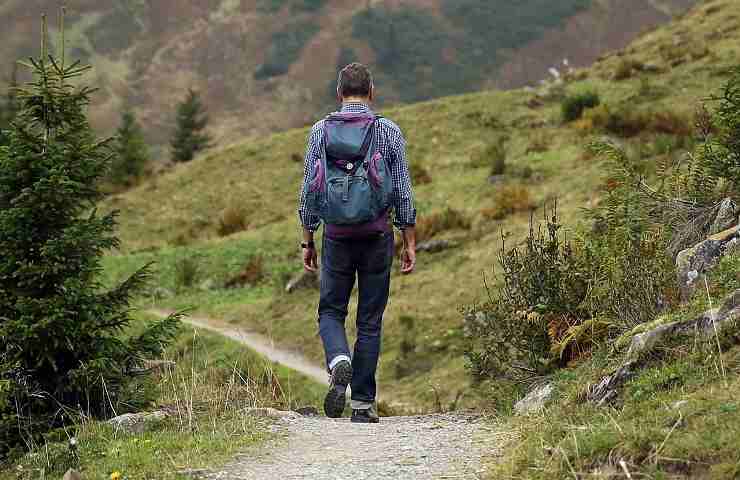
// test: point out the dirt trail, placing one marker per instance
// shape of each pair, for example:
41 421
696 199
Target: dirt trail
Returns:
259 343
427 447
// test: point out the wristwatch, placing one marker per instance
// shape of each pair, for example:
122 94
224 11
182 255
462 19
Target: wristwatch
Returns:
308 244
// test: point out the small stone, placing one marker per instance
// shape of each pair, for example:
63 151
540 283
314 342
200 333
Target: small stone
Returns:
535 400
271 413
434 246
72 475
206 285
304 280
137 422
679 404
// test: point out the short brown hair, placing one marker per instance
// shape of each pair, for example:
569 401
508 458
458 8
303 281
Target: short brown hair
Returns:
355 80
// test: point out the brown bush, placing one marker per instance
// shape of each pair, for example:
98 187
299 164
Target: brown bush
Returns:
252 273
626 68
233 219
419 174
671 123
540 142
435 223
508 200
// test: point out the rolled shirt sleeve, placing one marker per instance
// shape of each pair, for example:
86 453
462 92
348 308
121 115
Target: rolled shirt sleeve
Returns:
310 220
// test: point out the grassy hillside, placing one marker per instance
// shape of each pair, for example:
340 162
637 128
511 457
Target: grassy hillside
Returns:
654 84
267 65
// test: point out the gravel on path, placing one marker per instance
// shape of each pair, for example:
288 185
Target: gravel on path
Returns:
433 447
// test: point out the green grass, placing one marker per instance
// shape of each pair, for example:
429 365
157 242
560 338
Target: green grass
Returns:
214 381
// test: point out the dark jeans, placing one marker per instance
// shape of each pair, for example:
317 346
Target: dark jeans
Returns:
370 260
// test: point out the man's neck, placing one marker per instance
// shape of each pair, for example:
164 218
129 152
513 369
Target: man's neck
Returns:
362 100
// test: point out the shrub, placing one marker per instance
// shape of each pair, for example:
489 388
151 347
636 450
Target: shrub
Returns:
572 106
543 288
233 219
508 200
252 273
626 68
492 155
187 272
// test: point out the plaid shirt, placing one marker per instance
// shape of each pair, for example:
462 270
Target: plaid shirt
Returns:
391 145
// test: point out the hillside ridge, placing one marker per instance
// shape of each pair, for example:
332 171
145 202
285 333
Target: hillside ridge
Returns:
267 65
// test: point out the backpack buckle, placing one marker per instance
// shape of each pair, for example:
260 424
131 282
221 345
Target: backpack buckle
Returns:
350 166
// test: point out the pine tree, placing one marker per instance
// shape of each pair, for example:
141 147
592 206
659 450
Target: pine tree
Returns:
191 121
132 153
62 346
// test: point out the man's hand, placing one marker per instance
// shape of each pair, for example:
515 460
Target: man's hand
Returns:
310 260
408 252
310 257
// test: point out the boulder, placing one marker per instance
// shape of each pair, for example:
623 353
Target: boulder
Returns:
726 217
726 316
694 262
304 280
137 422
434 246
535 400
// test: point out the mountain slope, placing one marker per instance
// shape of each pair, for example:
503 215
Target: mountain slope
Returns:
174 219
266 65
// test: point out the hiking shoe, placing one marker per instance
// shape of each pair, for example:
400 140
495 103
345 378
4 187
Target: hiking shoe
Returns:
336 397
367 415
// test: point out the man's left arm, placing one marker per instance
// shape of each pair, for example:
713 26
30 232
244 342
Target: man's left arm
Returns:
403 202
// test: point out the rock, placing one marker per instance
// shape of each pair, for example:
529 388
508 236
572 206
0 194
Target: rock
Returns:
650 68
72 475
304 280
726 217
704 326
679 404
160 293
272 413
608 388
206 285
535 400
159 366
495 179
308 411
137 422
694 262
433 246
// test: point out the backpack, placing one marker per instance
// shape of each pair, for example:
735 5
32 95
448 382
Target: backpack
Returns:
352 183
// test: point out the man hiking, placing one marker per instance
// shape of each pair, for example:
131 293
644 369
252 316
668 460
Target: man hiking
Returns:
355 175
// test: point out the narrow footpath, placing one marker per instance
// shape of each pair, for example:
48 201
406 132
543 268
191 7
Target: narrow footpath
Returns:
425 447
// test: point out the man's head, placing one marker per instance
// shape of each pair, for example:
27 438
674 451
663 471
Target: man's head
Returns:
355 83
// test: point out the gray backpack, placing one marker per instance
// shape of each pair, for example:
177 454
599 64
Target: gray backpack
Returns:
352 182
